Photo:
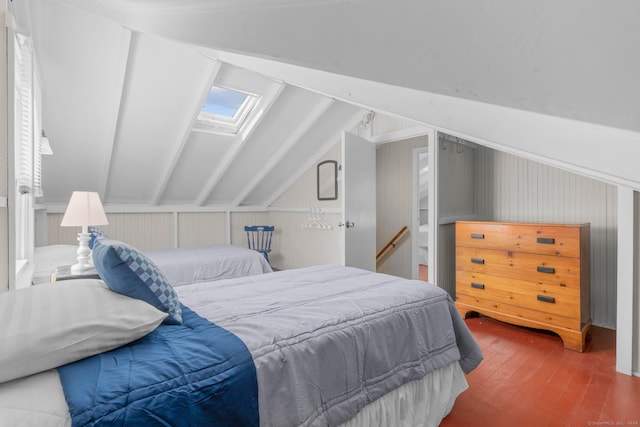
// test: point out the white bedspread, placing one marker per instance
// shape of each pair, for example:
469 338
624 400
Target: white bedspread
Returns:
179 265
205 263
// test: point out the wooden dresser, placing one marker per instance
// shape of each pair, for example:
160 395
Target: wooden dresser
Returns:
534 275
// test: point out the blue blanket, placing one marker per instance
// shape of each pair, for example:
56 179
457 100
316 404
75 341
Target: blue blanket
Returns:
194 374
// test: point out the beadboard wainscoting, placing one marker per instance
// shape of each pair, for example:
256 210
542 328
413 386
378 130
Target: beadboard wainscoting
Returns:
293 246
144 230
510 188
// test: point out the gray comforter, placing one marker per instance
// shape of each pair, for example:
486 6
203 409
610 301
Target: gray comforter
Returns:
327 340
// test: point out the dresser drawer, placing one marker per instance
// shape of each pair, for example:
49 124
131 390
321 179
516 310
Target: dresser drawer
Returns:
546 239
549 298
539 317
533 267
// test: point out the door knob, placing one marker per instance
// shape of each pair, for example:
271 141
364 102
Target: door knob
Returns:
347 224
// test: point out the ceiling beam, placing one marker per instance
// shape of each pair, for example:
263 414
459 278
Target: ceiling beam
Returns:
187 128
549 140
300 130
349 124
126 43
263 107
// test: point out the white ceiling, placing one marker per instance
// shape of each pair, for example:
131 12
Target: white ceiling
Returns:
119 110
124 79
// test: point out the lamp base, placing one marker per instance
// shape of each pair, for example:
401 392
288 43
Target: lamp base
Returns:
84 254
80 268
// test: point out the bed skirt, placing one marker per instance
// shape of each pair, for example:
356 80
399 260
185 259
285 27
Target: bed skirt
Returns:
39 400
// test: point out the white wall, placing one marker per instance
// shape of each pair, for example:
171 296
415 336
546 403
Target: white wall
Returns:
303 192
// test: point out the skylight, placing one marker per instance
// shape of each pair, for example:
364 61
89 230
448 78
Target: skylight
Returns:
223 102
225 110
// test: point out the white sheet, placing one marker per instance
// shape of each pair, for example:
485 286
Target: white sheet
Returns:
48 258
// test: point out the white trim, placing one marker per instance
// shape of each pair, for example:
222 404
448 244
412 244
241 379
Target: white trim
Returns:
433 207
400 135
227 230
214 123
626 267
415 209
176 229
116 103
60 208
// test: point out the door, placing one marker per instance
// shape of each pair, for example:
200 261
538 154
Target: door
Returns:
359 202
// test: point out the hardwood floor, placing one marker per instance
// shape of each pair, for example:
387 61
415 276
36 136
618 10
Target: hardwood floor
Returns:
527 378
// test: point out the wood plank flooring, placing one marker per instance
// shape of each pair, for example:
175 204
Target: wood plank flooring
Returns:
527 378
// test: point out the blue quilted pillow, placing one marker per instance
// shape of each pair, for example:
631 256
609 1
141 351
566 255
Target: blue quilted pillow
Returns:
96 234
127 271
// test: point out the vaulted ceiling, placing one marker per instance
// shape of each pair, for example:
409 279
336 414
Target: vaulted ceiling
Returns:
123 81
120 110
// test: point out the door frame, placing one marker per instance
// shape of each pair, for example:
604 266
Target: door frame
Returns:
415 210
431 134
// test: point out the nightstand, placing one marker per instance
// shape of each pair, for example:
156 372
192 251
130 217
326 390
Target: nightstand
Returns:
64 273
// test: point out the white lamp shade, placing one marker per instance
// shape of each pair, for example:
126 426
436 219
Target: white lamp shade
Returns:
84 209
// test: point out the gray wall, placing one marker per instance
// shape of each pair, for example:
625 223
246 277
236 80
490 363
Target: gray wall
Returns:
509 188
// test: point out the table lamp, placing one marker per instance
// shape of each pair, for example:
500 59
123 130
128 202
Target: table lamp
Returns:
84 209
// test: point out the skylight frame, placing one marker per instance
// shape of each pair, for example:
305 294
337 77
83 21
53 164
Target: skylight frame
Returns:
218 123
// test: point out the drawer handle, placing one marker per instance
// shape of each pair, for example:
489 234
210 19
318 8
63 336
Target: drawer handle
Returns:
477 285
549 270
477 236
545 298
477 260
546 240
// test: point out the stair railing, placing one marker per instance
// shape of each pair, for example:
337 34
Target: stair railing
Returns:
391 243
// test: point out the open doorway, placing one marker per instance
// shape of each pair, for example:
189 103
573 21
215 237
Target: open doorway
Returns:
396 203
421 211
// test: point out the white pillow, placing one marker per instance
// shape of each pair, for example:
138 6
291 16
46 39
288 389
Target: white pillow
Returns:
46 326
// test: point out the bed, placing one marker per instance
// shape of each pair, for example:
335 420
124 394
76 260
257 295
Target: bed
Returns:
205 263
329 345
179 265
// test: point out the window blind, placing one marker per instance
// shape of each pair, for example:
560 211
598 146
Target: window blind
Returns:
37 145
24 113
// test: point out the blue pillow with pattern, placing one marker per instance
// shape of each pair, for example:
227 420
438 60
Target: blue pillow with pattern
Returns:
96 234
127 271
